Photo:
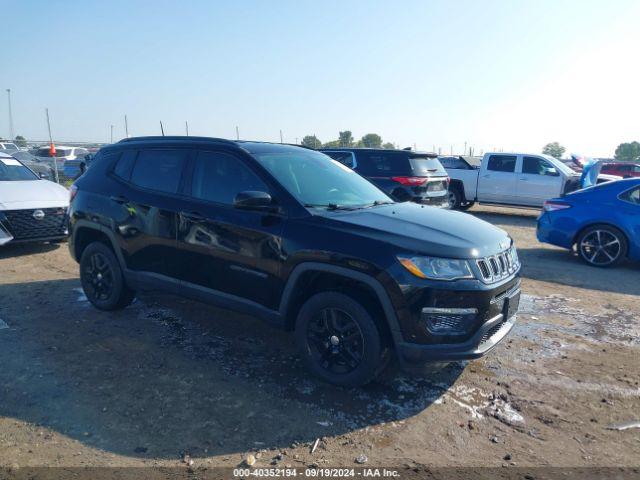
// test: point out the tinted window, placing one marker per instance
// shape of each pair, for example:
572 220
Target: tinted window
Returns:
536 166
159 169
502 163
219 177
125 164
383 164
426 166
345 158
631 196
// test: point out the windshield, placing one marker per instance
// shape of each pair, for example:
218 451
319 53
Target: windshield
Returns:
560 166
11 169
317 180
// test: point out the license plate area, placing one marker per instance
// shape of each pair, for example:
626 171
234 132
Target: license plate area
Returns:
511 304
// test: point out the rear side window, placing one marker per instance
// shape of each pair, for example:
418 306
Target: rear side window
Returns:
159 170
124 165
631 196
218 177
383 164
502 163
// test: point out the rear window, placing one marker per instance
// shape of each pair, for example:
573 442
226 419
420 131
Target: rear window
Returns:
423 166
60 152
159 170
383 164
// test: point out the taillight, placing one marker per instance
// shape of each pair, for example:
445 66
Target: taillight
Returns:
553 206
410 181
73 191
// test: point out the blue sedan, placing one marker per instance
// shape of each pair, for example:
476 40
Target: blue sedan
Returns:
603 222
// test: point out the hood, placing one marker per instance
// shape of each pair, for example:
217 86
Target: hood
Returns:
426 230
27 194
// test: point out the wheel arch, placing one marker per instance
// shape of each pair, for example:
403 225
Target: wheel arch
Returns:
582 229
85 233
311 277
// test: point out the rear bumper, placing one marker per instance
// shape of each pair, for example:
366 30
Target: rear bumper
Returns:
485 339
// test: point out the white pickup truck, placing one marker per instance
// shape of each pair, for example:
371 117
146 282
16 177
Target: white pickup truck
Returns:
509 179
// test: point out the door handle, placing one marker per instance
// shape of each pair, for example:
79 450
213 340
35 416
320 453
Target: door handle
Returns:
193 217
119 199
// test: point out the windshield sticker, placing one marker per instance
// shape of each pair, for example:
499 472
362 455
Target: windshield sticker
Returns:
10 161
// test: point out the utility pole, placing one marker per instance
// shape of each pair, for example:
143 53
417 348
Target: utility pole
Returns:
465 148
11 137
52 149
186 127
281 137
111 133
161 128
126 126
237 133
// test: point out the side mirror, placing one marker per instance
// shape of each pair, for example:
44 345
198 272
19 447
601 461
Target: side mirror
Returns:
252 200
43 175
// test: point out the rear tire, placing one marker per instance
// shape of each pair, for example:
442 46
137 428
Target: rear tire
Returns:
102 280
455 198
602 246
339 341
466 206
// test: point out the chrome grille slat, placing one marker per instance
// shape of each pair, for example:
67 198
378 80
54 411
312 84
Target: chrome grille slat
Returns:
497 267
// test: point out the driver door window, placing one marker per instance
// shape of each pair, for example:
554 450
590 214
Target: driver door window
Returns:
219 177
537 166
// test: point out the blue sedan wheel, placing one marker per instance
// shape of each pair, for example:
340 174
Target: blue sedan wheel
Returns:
602 246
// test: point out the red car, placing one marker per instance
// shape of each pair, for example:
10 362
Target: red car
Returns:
623 169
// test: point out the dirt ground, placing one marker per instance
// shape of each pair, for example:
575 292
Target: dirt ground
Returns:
170 382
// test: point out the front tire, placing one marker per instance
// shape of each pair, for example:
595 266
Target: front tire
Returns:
339 340
102 280
602 246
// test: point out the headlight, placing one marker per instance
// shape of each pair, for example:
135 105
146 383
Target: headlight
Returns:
436 268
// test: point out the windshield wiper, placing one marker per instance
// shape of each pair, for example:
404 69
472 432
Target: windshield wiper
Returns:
375 203
328 206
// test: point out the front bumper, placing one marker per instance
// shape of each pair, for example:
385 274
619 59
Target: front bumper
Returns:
33 225
496 309
486 338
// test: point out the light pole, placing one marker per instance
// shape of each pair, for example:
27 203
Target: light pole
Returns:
111 133
11 137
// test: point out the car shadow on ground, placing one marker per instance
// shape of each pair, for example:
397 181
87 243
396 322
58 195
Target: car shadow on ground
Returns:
167 375
512 218
22 249
564 267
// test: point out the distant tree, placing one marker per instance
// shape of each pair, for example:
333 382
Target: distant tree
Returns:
345 138
554 149
628 152
371 140
311 141
21 141
332 144
389 146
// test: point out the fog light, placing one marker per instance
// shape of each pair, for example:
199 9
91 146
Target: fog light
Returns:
449 321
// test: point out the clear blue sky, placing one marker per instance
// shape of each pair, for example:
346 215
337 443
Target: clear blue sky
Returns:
498 74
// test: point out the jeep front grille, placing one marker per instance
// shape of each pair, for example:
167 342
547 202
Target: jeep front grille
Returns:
498 267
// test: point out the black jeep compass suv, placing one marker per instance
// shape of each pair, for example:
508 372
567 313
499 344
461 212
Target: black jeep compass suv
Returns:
294 237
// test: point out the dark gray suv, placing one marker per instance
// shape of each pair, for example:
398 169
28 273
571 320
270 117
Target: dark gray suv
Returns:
405 175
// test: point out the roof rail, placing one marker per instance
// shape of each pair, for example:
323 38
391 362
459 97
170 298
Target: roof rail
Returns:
174 138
